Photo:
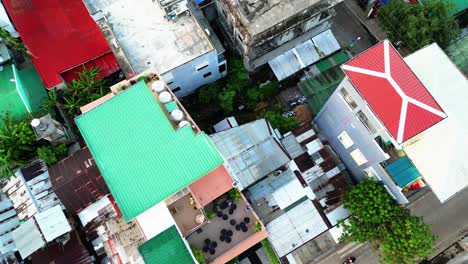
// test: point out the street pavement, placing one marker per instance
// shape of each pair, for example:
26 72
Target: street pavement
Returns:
449 223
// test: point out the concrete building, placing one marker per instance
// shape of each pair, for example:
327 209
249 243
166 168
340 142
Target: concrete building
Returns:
280 33
395 120
170 36
181 194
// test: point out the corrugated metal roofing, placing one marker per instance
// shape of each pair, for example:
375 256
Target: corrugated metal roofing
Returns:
107 63
142 158
393 91
28 238
77 181
61 35
304 54
52 223
251 150
294 228
167 247
211 186
402 171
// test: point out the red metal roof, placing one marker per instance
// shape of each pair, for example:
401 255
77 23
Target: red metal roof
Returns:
61 35
211 186
393 91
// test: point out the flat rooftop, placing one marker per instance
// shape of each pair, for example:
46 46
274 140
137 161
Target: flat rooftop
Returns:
146 36
264 14
141 156
61 35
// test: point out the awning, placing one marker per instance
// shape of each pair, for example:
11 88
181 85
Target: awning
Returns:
304 54
403 171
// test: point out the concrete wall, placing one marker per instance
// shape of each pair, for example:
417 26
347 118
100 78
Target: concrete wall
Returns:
336 116
188 78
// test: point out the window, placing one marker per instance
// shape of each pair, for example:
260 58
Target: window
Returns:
169 83
370 172
358 157
240 38
345 139
348 99
365 122
175 90
207 74
202 66
222 68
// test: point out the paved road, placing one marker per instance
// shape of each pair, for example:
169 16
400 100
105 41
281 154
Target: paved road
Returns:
449 221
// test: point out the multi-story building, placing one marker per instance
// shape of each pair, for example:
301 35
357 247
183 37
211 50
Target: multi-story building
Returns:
168 181
59 47
170 36
395 120
288 35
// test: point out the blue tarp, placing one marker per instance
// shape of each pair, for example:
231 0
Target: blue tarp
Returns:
199 1
403 171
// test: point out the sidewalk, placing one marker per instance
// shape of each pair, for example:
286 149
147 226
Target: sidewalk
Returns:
371 24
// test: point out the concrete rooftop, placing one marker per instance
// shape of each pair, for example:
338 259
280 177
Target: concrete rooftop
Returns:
145 35
264 14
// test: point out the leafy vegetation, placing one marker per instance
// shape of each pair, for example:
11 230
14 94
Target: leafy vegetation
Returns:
13 42
234 194
52 154
270 252
257 226
233 261
376 218
198 254
17 145
418 25
277 120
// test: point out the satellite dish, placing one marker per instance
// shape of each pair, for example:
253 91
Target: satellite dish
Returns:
235 184
183 123
158 86
177 115
165 97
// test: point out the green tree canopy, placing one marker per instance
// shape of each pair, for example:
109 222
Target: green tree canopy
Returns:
376 218
418 25
278 121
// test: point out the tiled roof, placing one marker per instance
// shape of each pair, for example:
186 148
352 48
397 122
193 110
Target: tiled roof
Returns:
167 247
142 158
393 91
211 186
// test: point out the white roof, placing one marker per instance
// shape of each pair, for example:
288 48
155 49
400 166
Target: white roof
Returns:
52 223
338 213
304 54
282 190
148 38
27 238
440 152
155 220
294 228
92 211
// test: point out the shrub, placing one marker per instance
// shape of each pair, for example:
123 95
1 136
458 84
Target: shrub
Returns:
198 254
234 194
257 226
52 154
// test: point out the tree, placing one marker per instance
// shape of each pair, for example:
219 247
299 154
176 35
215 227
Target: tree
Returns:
50 102
52 154
418 25
376 218
17 145
226 100
13 42
278 121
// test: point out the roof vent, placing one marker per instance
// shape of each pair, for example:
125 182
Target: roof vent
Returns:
177 115
207 32
165 97
183 123
158 86
235 184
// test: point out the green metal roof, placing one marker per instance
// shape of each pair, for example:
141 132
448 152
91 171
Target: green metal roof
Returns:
20 91
319 89
171 106
460 5
167 248
142 158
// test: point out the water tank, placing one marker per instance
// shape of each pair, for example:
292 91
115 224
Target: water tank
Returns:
177 115
183 123
165 97
158 86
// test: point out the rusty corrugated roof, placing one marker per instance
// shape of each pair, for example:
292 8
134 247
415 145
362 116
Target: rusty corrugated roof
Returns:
211 186
77 181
